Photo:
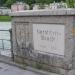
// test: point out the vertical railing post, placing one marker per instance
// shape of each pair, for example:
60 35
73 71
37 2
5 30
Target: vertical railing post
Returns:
2 44
12 54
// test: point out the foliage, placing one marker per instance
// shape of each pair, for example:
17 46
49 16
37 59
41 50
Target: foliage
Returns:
9 3
30 2
59 0
2 2
70 3
44 1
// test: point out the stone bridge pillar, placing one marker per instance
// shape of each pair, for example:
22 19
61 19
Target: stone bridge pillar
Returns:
45 39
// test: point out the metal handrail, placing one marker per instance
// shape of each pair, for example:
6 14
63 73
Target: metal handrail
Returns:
4 30
5 39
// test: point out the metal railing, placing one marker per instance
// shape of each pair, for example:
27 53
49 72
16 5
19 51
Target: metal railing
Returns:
3 43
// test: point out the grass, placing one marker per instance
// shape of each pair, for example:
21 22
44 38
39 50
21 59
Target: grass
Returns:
5 18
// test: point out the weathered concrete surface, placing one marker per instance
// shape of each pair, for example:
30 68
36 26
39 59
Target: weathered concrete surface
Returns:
44 12
6 69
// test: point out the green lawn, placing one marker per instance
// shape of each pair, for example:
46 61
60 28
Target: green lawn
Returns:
5 18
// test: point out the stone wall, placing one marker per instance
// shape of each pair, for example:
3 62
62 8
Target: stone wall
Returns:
23 47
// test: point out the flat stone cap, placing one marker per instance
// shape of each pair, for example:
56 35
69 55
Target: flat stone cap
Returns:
45 12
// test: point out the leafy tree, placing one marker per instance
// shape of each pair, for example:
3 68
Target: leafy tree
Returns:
2 2
20 0
30 2
44 1
70 3
9 3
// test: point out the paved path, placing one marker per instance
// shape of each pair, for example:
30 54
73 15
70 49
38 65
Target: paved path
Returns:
6 69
